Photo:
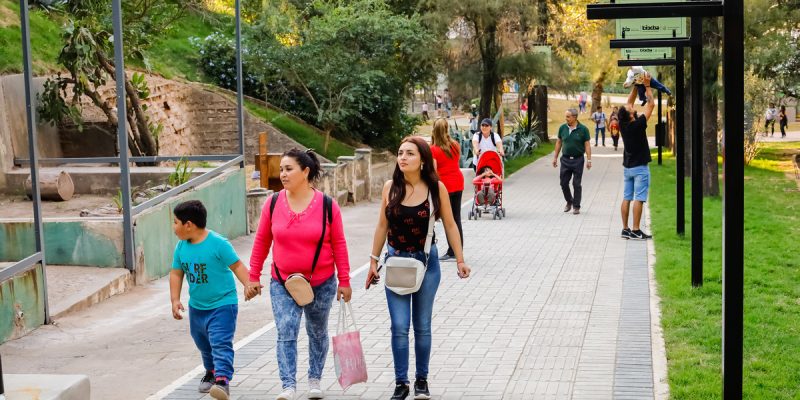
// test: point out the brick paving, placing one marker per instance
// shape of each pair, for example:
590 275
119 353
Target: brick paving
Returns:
558 307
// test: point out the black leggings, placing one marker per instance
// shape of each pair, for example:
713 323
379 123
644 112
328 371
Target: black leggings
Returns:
455 205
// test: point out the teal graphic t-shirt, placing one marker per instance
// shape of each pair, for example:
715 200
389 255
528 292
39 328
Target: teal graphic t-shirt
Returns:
206 266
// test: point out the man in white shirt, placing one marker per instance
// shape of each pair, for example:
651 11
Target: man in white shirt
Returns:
599 118
769 117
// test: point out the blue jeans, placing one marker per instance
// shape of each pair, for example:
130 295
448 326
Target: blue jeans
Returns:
419 308
599 132
637 183
212 331
656 85
287 320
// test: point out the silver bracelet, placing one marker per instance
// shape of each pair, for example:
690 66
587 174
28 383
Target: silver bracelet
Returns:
376 258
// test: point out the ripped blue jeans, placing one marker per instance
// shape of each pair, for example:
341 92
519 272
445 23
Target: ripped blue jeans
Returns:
287 320
416 307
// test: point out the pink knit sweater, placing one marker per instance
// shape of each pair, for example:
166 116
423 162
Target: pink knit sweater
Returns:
294 237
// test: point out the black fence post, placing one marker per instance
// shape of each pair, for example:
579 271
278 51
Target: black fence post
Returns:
697 152
2 387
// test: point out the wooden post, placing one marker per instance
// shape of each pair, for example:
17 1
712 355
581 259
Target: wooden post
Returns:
263 165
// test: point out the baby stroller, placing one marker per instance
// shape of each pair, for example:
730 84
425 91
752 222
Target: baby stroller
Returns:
488 192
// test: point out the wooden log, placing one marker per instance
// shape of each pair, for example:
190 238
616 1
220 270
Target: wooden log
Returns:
53 185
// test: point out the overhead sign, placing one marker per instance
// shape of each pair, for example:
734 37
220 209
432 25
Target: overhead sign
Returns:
650 28
646 53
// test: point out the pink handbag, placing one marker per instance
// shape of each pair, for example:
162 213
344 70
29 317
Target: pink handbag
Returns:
348 356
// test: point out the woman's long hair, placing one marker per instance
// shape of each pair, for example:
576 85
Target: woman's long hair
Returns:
398 190
441 137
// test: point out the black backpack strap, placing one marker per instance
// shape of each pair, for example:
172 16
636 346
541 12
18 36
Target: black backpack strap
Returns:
327 217
493 141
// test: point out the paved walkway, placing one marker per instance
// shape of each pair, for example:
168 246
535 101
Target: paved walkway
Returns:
558 307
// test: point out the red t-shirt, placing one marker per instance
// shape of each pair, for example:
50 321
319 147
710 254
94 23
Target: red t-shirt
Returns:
449 171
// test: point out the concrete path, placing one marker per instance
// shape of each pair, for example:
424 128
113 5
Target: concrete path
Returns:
558 307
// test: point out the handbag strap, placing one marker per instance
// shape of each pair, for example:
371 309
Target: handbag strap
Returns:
344 309
431 221
327 218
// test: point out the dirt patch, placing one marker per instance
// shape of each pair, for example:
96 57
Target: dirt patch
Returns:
8 18
21 207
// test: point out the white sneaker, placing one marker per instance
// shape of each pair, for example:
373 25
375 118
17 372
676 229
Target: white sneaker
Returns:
314 390
287 394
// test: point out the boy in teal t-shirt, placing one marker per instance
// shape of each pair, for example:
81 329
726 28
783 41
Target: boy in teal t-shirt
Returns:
209 262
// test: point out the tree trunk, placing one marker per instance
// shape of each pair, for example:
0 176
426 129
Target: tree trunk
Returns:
141 131
498 104
327 140
597 92
56 186
489 76
711 58
541 111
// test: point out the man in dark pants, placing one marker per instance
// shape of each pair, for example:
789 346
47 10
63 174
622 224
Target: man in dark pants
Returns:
573 139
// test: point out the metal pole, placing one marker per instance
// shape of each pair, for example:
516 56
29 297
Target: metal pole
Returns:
2 388
733 201
239 86
658 128
122 135
33 147
680 207
697 152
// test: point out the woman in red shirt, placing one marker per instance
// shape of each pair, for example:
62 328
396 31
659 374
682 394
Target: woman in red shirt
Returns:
446 154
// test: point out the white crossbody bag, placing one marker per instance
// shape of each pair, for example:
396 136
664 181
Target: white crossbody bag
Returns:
404 275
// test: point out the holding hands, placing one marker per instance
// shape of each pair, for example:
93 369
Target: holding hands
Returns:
252 289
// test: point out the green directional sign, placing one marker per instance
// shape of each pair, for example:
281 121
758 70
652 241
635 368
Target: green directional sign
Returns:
650 28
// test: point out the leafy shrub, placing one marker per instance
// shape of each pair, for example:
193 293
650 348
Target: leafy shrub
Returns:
218 62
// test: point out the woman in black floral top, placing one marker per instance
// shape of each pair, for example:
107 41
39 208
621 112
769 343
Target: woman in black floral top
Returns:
403 224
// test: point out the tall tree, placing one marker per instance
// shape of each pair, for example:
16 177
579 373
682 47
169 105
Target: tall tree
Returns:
497 37
347 59
87 56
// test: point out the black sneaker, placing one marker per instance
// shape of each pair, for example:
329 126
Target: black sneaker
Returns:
220 391
421 391
639 235
626 234
206 382
401 391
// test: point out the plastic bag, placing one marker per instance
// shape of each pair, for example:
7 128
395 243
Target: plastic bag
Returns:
348 356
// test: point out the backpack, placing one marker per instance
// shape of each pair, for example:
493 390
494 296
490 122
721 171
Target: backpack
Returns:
480 137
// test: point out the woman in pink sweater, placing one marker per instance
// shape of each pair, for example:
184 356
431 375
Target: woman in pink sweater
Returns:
293 229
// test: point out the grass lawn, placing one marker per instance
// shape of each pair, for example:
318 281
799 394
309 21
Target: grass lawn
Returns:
516 164
301 132
692 318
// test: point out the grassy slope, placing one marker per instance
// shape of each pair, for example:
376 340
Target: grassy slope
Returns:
45 40
692 317
173 57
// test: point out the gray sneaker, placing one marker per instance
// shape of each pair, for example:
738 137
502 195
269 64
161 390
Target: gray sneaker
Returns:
206 382
220 391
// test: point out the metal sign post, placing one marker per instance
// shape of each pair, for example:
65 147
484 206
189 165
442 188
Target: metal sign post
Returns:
733 201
